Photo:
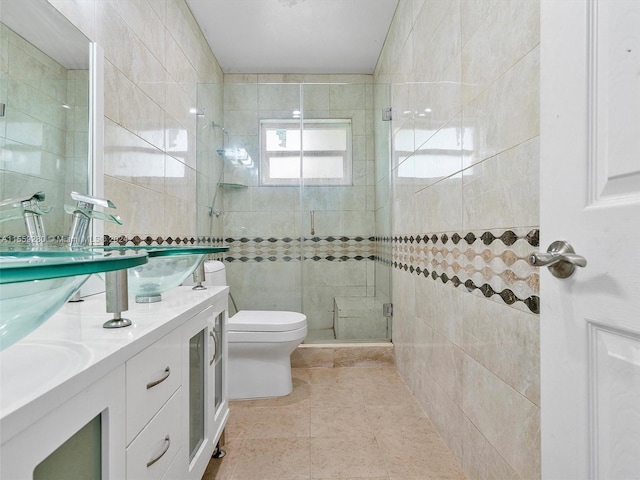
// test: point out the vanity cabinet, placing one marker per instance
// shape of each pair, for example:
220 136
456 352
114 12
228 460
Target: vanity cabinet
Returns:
149 407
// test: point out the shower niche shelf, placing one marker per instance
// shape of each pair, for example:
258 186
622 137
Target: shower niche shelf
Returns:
232 185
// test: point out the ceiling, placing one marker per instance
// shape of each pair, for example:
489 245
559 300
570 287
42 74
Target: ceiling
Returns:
295 36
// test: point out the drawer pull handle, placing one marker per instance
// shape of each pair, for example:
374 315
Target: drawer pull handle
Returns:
167 372
167 442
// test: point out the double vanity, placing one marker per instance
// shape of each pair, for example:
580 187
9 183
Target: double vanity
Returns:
145 401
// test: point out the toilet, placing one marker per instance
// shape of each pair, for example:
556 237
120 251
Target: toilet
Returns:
260 344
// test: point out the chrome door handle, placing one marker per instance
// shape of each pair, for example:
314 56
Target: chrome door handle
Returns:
214 346
560 258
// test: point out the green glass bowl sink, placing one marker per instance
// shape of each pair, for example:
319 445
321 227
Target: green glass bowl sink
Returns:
167 268
35 283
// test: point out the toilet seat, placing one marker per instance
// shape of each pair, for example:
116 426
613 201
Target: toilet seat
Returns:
266 321
296 335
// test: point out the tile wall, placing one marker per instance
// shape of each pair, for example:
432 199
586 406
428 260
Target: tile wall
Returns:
155 56
44 146
464 79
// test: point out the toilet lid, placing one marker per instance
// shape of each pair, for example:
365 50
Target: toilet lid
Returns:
266 321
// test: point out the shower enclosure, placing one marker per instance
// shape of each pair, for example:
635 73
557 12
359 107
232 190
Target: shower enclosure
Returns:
304 209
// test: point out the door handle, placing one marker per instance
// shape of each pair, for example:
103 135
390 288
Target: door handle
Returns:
214 346
561 259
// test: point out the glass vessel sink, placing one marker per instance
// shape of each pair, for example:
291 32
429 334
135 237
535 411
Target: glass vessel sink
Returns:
167 268
35 283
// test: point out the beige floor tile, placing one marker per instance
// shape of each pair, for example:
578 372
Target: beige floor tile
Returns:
301 393
312 357
303 374
387 395
222 468
328 395
273 459
346 420
269 422
352 423
399 419
363 356
418 457
343 457
331 376
373 375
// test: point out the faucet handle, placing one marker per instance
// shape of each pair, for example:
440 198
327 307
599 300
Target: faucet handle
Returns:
91 200
28 199
90 213
20 206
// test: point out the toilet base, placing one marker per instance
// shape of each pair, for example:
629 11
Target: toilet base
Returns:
249 378
259 370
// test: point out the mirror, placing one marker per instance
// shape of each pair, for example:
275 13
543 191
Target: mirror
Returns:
45 110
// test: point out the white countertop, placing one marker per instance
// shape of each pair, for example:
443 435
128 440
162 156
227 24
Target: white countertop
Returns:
72 350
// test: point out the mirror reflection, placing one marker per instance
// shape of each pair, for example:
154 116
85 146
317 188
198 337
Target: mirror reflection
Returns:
44 112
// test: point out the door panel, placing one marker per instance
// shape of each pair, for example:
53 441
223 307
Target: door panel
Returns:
590 197
615 360
614 57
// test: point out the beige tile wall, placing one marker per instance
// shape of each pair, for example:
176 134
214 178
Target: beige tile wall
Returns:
155 56
43 145
464 78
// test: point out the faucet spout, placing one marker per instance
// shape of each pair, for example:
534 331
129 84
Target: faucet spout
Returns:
83 213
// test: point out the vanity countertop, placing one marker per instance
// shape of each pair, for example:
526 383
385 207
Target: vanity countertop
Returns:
71 350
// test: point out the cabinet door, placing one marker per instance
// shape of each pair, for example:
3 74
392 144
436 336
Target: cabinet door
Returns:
219 366
97 410
197 381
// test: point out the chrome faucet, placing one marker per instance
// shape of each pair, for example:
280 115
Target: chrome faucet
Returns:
28 207
83 213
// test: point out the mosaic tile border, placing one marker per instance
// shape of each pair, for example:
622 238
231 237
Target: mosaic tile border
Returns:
137 240
287 249
493 264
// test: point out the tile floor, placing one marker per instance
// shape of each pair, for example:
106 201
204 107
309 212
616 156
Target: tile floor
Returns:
338 423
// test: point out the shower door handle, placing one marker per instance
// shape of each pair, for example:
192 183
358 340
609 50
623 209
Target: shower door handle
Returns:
313 216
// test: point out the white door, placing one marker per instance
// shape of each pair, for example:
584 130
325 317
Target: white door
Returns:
590 197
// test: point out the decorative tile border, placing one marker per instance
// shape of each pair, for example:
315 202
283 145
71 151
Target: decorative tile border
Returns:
339 248
289 249
137 240
491 263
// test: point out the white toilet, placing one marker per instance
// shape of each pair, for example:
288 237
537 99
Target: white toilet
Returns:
260 346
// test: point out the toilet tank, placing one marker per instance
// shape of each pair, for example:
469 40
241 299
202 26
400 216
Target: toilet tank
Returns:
215 273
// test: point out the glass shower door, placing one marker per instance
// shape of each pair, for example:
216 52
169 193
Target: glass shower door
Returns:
261 219
338 216
307 219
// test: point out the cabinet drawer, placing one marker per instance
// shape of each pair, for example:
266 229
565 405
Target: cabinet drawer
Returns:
151 453
153 376
178 467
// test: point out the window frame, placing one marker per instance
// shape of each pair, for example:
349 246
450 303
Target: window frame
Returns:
306 124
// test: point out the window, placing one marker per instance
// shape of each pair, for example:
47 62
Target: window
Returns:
324 146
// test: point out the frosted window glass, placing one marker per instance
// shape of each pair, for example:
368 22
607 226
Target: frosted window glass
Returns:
325 145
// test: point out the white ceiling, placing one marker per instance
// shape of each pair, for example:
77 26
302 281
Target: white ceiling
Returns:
295 36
